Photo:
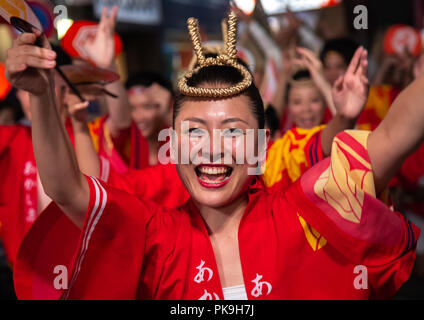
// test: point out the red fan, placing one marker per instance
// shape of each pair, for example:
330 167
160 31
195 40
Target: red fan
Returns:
400 37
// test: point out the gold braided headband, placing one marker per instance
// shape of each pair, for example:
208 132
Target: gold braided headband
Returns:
226 58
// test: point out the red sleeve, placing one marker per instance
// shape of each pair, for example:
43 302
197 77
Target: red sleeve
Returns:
160 184
337 198
102 261
110 254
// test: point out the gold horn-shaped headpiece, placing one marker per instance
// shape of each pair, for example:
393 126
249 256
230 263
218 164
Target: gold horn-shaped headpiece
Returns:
226 58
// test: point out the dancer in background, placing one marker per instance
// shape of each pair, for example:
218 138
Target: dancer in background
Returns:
128 135
309 142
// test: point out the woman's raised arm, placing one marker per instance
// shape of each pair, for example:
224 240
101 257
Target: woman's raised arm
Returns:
399 134
30 68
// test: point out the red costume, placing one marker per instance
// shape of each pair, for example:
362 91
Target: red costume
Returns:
18 187
305 243
160 183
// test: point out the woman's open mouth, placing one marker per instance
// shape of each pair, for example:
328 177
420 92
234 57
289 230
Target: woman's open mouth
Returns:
213 176
308 123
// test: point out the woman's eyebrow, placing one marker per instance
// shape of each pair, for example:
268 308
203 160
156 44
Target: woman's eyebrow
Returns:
228 120
196 120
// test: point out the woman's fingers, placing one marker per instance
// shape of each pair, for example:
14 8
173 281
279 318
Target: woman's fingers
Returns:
24 38
308 64
297 61
25 54
31 50
103 16
309 55
338 84
78 106
15 67
112 16
353 65
35 62
108 19
21 63
304 63
363 63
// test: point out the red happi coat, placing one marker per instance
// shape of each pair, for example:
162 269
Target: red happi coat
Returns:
18 185
160 183
307 242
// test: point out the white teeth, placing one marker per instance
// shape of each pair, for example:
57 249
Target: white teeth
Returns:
212 182
213 170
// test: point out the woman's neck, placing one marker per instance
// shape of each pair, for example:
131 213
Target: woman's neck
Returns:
224 219
153 151
153 144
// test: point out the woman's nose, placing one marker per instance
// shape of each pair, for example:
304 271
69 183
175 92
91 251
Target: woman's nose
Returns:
305 108
217 146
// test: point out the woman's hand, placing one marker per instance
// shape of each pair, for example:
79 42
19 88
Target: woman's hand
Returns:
79 112
350 91
310 61
288 34
102 49
29 67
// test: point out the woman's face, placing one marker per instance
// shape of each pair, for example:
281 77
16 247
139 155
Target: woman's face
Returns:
149 105
214 175
306 106
334 66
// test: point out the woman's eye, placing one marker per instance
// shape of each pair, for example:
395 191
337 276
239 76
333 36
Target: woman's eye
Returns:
195 132
233 132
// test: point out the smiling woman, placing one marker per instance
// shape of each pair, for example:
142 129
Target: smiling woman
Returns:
227 122
304 100
230 236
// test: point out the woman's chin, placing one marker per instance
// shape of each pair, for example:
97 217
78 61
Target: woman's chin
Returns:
212 199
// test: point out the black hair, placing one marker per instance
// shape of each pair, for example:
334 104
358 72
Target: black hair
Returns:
12 102
302 74
272 121
344 46
224 75
146 79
